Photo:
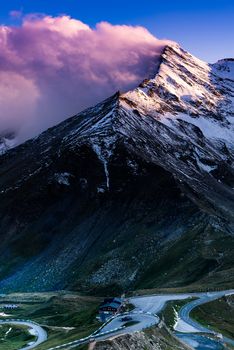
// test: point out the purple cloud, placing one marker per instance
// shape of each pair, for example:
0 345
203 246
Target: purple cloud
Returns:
53 67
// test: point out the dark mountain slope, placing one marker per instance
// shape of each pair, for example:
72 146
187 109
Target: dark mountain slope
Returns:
135 192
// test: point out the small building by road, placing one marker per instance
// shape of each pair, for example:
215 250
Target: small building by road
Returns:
110 307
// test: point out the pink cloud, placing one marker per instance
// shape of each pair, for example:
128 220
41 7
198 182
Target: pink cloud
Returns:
59 66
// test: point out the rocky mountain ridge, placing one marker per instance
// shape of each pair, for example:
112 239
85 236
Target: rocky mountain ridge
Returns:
153 166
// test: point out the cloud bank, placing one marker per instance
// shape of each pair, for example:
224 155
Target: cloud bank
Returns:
53 67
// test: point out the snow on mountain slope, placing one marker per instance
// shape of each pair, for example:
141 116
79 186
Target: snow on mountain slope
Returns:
182 119
188 110
7 141
186 88
105 194
225 68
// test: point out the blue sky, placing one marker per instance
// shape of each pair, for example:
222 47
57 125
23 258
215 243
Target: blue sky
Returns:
206 28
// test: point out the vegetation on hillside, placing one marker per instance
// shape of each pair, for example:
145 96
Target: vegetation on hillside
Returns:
14 337
218 314
65 316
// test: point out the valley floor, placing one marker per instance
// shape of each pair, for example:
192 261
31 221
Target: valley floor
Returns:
67 317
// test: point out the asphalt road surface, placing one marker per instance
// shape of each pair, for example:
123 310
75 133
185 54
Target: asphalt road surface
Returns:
185 323
141 320
143 316
38 331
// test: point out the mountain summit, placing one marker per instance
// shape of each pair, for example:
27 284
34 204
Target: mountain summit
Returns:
114 194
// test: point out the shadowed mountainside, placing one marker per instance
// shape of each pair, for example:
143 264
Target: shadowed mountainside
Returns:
135 192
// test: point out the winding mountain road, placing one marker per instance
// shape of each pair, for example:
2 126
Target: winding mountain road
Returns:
187 325
35 329
143 316
141 320
184 313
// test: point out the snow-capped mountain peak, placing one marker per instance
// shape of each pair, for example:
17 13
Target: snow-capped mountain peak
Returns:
185 85
180 119
117 180
188 93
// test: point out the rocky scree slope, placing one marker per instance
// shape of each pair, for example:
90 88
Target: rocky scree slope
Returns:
134 192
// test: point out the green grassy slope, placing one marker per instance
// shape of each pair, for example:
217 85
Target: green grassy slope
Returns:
65 316
14 337
218 314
